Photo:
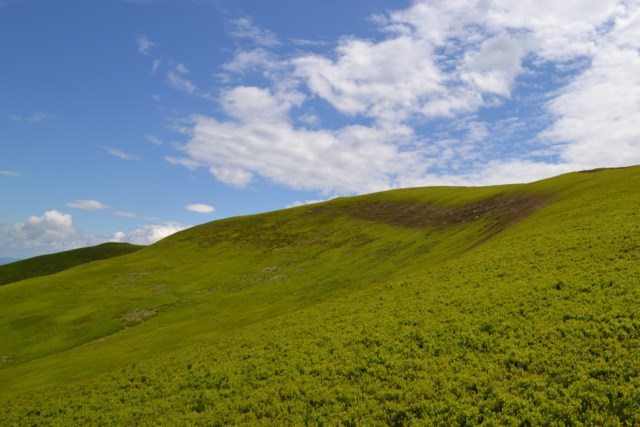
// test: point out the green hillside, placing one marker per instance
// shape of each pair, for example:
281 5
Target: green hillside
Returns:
515 305
54 263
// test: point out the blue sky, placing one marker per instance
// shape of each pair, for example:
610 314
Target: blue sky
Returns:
130 120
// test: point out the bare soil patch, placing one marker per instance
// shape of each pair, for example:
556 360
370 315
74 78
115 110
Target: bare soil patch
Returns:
135 316
506 210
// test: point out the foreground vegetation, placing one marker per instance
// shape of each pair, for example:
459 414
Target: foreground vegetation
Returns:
54 263
519 311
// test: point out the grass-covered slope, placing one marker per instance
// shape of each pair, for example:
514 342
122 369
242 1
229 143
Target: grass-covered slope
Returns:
513 304
54 263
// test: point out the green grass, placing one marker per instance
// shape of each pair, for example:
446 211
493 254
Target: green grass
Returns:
54 263
316 316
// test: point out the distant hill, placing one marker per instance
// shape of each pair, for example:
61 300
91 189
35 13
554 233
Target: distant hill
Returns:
502 305
54 263
4 261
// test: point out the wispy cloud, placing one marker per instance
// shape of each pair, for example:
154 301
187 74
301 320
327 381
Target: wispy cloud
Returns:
129 214
36 117
120 154
144 44
125 214
176 80
10 173
86 204
251 60
153 139
307 42
245 29
155 65
182 69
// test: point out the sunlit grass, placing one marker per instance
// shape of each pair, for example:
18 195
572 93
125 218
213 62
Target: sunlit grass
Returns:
315 316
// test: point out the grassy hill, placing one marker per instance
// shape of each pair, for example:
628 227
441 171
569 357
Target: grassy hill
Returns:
501 305
54 263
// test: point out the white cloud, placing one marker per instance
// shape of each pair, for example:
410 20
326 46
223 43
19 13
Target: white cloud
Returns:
388 79
120 154
494 67
200 208
148 233
436 61
262 141
53 224
253 104
557 30
10 173
84 204
53 231
245 29
235 176
598 113
144 44
446 58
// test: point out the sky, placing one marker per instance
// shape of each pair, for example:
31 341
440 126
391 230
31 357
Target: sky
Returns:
130 120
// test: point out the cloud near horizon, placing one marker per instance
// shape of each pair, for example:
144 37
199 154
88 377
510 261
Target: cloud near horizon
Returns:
148 234
54 231
414 101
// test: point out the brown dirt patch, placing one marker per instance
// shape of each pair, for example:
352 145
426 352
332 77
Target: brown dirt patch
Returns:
506 210
135 316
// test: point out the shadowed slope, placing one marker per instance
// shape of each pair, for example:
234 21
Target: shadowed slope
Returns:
54 263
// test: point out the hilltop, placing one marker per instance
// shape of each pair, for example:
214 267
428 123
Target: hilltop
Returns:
508 304
48 264
4 261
